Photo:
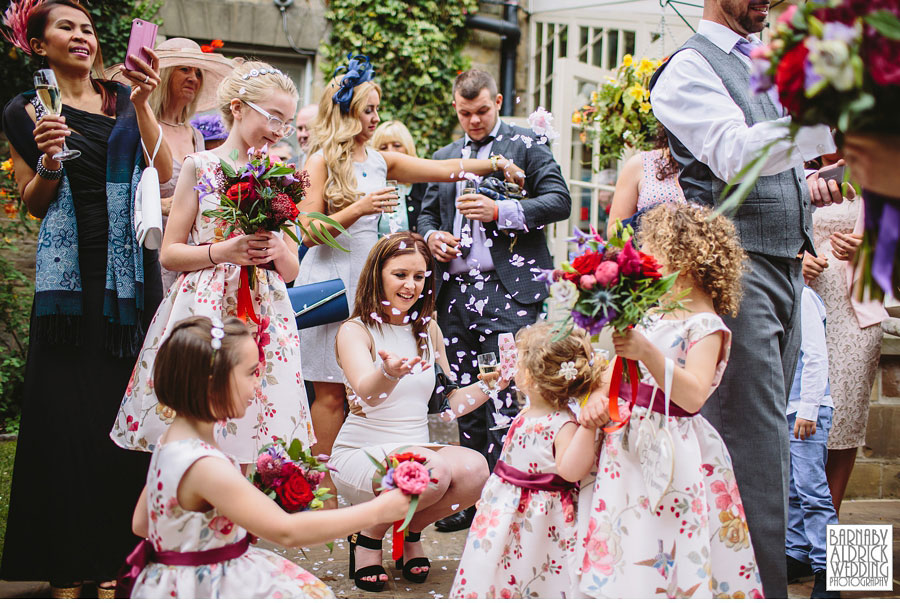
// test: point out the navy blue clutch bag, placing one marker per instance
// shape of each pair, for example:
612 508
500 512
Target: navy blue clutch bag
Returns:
318 304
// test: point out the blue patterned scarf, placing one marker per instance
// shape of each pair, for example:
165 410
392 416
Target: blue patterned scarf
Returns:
57 291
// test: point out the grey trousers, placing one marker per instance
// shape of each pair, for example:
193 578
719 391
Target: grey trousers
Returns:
748 408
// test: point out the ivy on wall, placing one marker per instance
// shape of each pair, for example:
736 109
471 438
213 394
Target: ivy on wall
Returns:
113 21
416 49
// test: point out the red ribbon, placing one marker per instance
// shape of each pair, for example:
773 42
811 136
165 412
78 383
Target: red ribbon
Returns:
244 300
397 544
618 370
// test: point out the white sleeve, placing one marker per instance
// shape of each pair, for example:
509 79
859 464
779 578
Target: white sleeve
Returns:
693 104
814 378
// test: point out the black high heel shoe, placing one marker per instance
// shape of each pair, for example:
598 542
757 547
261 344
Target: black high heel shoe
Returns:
373 586
421 562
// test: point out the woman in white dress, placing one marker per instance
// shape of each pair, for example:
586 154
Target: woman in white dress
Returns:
348 183
388 350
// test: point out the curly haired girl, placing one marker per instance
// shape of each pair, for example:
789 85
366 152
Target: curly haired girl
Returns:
665 516
522 540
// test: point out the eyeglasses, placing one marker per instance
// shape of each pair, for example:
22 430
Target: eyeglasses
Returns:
276 124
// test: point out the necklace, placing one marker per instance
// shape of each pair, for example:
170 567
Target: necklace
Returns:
166 123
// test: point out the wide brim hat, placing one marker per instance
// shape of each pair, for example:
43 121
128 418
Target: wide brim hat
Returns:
182 52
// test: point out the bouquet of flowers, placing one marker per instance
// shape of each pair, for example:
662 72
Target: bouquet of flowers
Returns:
610 283
835 62
291 476
405 470
619 113
262 195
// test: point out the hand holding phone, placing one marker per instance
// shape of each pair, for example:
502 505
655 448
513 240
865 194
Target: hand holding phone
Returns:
833 172
143 34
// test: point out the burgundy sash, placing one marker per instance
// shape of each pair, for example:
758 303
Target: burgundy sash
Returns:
144 553
549 482
658 402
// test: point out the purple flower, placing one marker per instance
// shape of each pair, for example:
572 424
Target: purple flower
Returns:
211 127
760 80
387 482
840 32
593 325
206 184
580 238
543 276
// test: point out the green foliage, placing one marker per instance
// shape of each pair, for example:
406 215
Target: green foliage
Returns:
16 291
415 48
113 21
7 458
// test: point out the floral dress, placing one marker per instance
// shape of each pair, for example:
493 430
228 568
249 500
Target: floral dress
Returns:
522 541
695 543
280 408
257 574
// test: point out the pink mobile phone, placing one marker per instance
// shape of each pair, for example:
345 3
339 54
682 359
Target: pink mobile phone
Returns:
143 33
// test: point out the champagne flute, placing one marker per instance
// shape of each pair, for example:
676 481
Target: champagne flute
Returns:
48 93
487 363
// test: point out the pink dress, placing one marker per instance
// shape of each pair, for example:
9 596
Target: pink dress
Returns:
653 190
695 543
522 541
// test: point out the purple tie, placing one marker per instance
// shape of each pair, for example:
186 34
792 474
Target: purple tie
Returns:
745 47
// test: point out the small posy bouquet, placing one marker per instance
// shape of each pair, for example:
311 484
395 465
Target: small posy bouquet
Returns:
291 476
262 195
406 471
610 283
619 113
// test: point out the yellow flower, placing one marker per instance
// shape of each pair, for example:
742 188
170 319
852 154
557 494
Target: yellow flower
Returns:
576 118
646 66
7 165
645 107
627 60
637 92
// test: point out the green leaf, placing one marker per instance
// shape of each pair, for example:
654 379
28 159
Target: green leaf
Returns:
227 169
885 23
288 229
295 449
379 465
413 503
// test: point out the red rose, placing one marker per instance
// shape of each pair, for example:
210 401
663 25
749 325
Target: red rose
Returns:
587 262
243 193
882 56
649 266
408 456
294 494
789 78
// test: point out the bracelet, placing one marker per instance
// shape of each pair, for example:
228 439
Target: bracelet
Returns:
390 377
209 253
48 174
484 388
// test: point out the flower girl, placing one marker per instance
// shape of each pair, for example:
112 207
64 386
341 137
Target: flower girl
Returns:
664 517
197 510
258 103
522 540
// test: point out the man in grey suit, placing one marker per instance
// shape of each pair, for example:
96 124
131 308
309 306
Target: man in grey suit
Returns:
486 251
716 127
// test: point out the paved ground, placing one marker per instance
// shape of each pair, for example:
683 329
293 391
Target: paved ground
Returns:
445 550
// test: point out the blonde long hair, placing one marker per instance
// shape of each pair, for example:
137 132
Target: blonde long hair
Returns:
256 88
334 133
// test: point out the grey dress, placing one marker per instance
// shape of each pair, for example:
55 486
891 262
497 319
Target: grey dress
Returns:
322 263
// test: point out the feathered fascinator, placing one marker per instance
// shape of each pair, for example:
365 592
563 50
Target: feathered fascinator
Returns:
358 70
16 20
211 127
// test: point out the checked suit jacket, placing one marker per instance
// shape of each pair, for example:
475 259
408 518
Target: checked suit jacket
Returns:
548 201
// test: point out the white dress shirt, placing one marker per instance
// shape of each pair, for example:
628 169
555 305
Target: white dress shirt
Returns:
693 104
811 388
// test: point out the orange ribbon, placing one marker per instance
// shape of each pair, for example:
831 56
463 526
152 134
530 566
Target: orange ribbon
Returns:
244 300
618 370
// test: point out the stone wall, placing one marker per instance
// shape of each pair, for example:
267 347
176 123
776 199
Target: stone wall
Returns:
877 470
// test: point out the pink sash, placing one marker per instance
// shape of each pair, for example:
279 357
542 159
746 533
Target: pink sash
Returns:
658 402
144 553
549 482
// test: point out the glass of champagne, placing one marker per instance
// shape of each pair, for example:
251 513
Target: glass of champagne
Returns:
487 363
48 93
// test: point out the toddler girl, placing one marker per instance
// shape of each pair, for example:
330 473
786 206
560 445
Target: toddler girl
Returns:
197 510
257 103
664 517
522 540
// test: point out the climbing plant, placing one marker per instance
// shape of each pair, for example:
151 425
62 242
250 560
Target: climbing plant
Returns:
416 49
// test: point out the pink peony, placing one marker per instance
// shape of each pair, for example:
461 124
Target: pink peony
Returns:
629 260
607 274
411 477
269 468
787 15
587 281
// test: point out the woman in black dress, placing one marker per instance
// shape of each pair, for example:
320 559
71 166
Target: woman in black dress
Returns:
96 290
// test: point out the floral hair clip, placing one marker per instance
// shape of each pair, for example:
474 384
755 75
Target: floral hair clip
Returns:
359 70
568 370
16 19
217 333
259 72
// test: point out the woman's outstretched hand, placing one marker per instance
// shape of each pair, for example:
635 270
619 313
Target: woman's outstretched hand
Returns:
397 368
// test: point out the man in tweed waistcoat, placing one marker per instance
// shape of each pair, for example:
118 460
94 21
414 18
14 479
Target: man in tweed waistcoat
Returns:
486 250
716 127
